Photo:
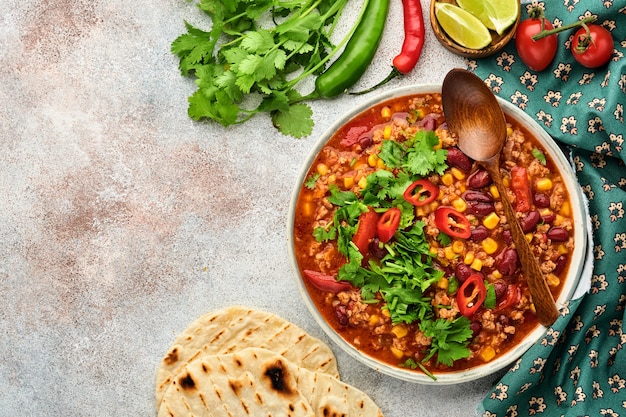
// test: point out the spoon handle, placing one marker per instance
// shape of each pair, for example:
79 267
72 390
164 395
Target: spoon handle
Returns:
539 290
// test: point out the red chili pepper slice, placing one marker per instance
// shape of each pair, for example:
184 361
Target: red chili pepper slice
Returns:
421 192
388 224
366 231
513 295
471 295
521 188
325 282
452 223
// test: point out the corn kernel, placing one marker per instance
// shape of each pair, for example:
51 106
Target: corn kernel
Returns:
433 206
374 319
553 280
307 209
381 164
447 179
469 258
459 204
396 352
532 308
529 237
509 130
491 221
443 283
496 274
385 112
322 169
386 312
348 182
506 181
433 250
558 220
362 183
420 211
332 178
562 249
487 353
449 253
457 173
387 132
543 184
565 209
400 330
476 264
438 146
545 212
458 246
462 187
489 245
494 192
372 160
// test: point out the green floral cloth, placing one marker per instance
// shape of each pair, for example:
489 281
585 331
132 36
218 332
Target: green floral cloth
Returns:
578 368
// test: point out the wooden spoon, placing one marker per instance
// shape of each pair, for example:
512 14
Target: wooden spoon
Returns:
473 113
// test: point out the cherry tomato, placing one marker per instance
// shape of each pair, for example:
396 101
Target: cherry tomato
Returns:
366 231
592 47
325 282
388 224
421 192
471 295
452 223
537 55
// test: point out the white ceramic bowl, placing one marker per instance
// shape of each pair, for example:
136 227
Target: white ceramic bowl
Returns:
569 286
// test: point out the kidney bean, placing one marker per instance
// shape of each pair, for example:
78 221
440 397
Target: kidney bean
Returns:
429 122
558 234
548 218
479 179
561 263
479 208
366 141
386 339
376 249
475 327
530 221
479 233
541 200
500 287
504 320
507 262
341 313
458 159
507 237
463 272
473 195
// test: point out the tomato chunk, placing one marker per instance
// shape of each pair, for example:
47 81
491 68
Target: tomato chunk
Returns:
471 295
421 192
513 295
388 224
366 230
325 282
452 223
521 188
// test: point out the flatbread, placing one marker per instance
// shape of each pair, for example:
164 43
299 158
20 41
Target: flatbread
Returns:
235 328
258 382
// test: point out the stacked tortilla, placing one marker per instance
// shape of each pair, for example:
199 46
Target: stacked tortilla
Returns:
245 362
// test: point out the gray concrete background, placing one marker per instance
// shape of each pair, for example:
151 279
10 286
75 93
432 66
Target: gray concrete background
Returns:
122 221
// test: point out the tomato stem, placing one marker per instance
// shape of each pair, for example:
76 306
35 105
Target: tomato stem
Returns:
549 32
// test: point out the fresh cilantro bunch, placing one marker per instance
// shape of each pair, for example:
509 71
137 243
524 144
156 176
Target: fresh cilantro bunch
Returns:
253 56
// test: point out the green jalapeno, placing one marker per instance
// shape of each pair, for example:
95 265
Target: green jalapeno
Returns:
358 53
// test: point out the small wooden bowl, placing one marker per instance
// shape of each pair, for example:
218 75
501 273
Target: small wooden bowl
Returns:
498 41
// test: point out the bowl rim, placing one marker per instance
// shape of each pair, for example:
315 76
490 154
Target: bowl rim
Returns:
570 286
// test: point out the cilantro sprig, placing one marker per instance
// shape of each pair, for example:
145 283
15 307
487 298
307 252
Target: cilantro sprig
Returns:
254 55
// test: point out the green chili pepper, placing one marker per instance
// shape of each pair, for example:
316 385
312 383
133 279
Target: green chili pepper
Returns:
358 53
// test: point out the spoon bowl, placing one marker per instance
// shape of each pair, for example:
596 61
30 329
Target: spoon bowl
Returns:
473 113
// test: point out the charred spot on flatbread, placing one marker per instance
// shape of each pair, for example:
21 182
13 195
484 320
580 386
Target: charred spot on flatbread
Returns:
172 356
186 382
278 374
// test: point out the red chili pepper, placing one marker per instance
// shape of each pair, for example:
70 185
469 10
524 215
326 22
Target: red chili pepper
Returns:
471 295
388 224
452 223
414 35
325 282
521 188
366 231
513 295
421 192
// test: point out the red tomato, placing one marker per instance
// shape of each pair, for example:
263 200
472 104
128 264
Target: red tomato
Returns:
521 188
452 223
513 295
471 295
326 282
421 192
537 55
365 231
592 47
388 224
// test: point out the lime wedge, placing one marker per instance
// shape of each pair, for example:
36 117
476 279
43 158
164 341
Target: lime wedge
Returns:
462 26
497 15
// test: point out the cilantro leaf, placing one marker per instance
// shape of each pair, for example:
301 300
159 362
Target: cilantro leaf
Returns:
422 158
450 339
311 180
296 121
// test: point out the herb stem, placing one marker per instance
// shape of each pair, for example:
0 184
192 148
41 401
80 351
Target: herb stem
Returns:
544 33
